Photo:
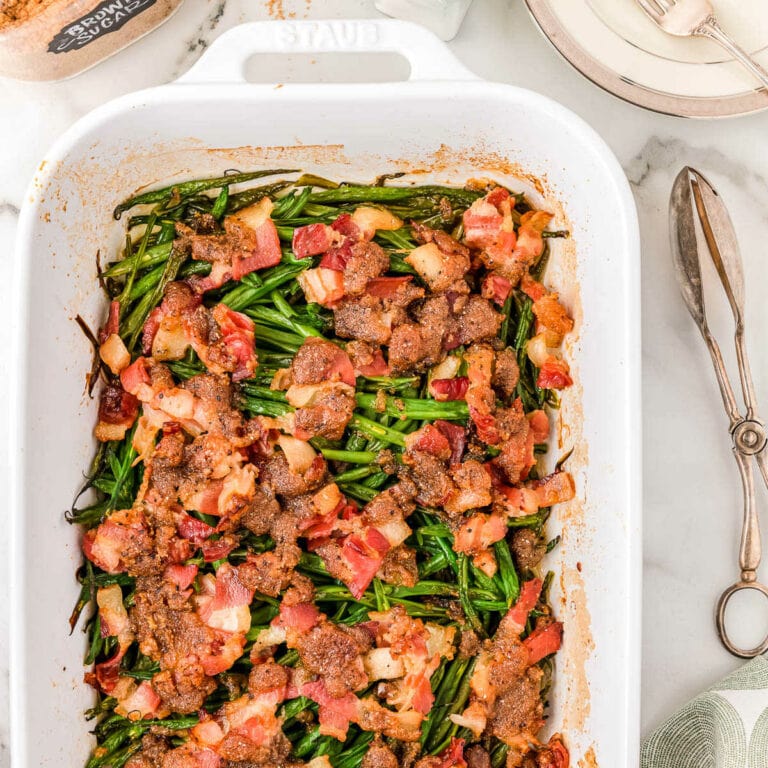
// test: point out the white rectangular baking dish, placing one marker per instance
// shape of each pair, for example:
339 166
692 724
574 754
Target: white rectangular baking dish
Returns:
442 121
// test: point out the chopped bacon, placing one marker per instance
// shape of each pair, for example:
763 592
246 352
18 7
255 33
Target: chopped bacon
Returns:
312 240
539 422
364 555
429 439
530 243
543 641
297 618
266 251
497 288
193 529
482 223
453 755
139 702
118 410
554 489
386 287
517 616
181 575
238 335
554 755
449 389
337 257
217 550
114 354
112 325
370 220
480 396
532 288
224 602
457 439
135 376
478 532
345 225
554 374
378 366
108 545
322 286
334 714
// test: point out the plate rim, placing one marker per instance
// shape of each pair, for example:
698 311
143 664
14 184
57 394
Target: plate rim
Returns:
627 90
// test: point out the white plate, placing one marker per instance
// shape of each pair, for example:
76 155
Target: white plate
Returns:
614 44
442 120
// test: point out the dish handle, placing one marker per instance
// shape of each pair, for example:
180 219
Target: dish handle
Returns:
428 56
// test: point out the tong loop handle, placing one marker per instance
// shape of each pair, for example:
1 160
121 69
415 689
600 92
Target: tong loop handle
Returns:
722 631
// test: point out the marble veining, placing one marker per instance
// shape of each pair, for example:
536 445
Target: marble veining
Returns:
201 38
692 495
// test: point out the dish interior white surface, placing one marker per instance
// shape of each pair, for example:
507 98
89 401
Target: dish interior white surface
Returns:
356 132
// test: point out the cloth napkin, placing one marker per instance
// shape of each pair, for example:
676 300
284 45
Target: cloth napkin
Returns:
724 727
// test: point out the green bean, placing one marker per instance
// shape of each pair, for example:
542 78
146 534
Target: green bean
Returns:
188 188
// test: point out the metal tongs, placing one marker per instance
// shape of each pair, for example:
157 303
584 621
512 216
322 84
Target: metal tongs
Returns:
694 197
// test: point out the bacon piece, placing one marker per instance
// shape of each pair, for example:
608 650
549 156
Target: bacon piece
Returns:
456 436
554 488
312 240
109 545
224 603
387 287
219 549
478 532
539 422
138 702
479 396
238 334
346 226
517 616
112 326
496 288
377 367
118 410
554 755
180 575
322 286
482 223
453 755
429 439
449 389
544 641
114 353
318 361
193 529
364 554
532 288
298 618
334 714
554 374
135 376
265 251
370 220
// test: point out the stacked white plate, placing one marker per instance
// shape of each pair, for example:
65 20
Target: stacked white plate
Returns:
616 46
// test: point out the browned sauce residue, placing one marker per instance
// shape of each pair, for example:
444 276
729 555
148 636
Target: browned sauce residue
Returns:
275 9
589 760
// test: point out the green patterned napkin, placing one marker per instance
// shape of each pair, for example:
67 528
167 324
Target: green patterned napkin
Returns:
724 727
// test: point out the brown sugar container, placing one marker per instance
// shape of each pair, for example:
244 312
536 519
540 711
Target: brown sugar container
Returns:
54 39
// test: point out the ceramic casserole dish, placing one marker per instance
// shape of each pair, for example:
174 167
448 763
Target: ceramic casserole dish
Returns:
442 124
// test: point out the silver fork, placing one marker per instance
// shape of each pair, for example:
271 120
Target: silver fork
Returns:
696 18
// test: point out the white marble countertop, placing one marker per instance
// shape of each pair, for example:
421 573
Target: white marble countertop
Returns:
692 492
